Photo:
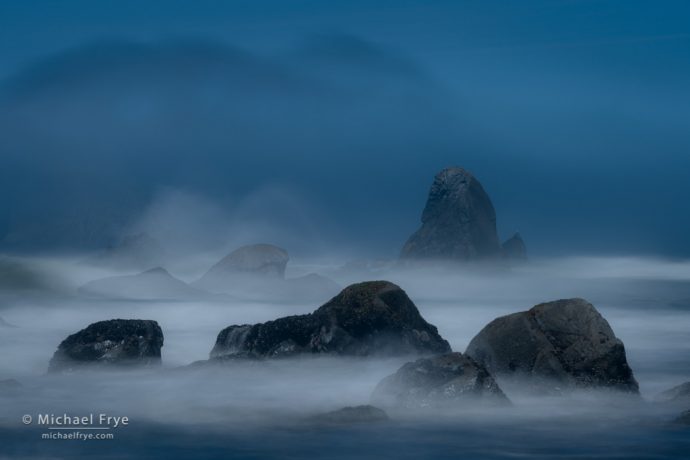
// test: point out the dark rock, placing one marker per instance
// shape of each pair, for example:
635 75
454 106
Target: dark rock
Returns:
117 342
678 395
350 415
514 248
156 283
138 252
458 222
371 318
554 346
442 381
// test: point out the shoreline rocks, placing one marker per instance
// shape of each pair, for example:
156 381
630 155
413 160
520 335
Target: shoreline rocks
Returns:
365 319
554 346
114 343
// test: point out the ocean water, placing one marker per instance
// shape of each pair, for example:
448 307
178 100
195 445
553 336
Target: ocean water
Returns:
261 410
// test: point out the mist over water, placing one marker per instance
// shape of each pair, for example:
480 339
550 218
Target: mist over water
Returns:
142 142
646 301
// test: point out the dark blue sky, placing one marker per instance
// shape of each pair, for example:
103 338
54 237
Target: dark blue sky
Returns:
328 119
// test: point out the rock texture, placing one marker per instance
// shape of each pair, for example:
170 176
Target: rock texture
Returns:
554 346
458 222
116 342
514 248
371 318
442 381
350 415
156 283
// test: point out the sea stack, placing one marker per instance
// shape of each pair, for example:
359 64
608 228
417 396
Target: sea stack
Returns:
458 221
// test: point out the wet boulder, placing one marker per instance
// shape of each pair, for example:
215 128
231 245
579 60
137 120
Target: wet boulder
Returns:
552 347
445 381
364 319
112 343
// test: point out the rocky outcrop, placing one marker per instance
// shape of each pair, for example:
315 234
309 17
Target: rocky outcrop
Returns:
514 248
371 318
156 283
552 347
442 381
458 222
351 415
677 395
116 342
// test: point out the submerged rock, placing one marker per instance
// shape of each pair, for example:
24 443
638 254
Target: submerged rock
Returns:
554 346
116 342
514 248
458 221
440 382
156 283
350 415
370 318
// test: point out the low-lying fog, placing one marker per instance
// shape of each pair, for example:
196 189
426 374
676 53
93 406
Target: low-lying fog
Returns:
646 301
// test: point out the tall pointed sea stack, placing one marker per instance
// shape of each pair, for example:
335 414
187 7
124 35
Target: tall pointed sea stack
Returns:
458 222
